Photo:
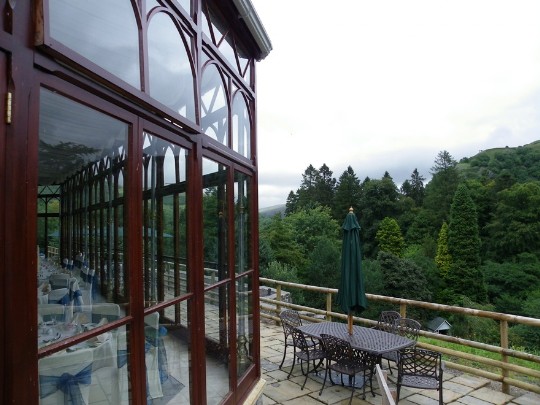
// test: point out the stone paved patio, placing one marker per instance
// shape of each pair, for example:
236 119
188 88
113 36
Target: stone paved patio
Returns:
457 389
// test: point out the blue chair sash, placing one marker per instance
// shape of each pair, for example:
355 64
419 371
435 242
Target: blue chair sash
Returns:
68 384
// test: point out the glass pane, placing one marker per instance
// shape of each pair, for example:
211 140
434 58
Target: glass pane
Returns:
105 32
168 356
215 221
244 324
242 221
164 217
241 126
214 110
82 155
216 317
171 78
95 368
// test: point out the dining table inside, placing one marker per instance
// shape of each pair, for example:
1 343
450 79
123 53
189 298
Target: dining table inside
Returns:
371 340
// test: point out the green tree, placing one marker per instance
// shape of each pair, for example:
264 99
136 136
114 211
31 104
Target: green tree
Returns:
403 278
443 259
389 237
515 227
465 277
414 188
379 199
440 190
325 187
278 235
348 191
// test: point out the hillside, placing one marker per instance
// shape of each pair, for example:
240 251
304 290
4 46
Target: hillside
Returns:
522 163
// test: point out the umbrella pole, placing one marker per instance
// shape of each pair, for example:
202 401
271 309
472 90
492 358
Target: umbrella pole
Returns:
349 323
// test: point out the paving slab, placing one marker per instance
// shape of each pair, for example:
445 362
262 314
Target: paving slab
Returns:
470 381
468 400
492 396
527 399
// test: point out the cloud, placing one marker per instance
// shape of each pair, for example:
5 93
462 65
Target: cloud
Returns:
384 86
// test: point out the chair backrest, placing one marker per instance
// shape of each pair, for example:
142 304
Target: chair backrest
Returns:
59 296
151 330
336 348
59 281
419 362
407 327
53 370
109 311
300 341
387 321
291 317
48 312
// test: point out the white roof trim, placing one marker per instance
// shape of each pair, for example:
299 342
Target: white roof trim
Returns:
254 24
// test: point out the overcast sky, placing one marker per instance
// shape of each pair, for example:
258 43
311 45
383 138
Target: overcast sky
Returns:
385 85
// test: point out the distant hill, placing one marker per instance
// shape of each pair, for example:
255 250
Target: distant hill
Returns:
522 163
273 210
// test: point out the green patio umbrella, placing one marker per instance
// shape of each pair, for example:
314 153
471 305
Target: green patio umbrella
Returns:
351 294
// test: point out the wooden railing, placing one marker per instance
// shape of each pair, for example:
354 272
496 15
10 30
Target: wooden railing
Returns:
270 308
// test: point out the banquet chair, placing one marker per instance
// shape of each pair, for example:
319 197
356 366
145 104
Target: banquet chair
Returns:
406 327
306 352
109 311
87 284
290 318
49 312
420 368
386 321
59 296
343 359
59 281
65 378
152 357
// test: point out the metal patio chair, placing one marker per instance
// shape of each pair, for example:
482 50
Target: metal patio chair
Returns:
420 368
406 327
306 352
342 359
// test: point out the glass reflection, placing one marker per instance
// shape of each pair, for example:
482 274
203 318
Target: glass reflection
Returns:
105 33
81 160
171 78
164 217
244 324
215 221
93 371
167 357
214 111
217 327
241 126
242 190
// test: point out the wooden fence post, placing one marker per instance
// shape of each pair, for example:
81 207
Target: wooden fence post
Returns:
329 306
504 357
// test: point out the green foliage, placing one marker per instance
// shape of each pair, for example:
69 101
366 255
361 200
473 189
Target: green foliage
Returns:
464 247
348 191
389 237
472 327
403 278
515 227
443 259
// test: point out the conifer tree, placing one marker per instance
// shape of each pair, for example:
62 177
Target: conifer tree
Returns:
390 238
443 259
465 277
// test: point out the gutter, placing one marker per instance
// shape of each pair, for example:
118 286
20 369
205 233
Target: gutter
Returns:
251 18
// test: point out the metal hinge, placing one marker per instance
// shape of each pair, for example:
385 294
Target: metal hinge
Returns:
8 107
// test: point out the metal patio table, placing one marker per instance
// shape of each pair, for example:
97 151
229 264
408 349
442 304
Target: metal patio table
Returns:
374 341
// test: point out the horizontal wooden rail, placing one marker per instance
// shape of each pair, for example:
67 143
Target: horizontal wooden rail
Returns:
270 309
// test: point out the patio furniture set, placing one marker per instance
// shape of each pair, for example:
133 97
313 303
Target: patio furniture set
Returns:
330 346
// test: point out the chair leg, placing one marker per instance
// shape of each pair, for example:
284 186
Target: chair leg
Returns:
353 382
324 381
284 353
293 363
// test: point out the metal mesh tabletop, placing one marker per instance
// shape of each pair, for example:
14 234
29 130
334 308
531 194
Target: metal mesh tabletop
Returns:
370 340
